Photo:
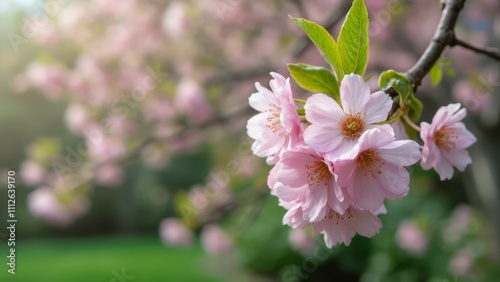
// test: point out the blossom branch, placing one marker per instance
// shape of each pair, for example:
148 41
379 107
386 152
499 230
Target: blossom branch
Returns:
443 37
493 53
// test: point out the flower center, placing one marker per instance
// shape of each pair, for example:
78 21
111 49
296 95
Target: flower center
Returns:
369 162
444 138
317 173
352 126
273 119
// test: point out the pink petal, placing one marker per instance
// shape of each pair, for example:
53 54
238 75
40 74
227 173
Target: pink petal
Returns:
366 193
322 139
458 158
394 180
465 137
378 106
365 223
354 93
323 110
403 153
374 138
315 207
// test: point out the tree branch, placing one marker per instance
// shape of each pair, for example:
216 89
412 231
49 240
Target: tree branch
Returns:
443 37
493 53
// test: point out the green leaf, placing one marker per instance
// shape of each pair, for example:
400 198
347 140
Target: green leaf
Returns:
436 74
399 82
315 79
353 39
324 42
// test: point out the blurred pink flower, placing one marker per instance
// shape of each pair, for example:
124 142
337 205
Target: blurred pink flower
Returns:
44 203
445 141
335 130
215 241
32 173
77 118
49 78
458 225
340 228
461 263
174 232
374 169
191 99
175 20
277 126
302 241
470 96
109 175
410 237
106 149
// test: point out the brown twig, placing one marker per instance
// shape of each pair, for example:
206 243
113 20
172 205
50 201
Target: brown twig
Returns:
493 53
443 37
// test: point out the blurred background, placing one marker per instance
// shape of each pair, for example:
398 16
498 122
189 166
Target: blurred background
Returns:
124 122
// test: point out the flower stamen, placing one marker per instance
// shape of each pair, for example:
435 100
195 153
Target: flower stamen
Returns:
318 173
444 138
369 162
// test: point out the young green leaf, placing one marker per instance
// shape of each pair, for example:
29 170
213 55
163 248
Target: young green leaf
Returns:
398 82
324 42
436 74
315 79
353 39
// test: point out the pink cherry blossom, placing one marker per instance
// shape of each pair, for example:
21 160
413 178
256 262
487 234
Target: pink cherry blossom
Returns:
340 228
277 126
303 167
374 169
335 130
445 141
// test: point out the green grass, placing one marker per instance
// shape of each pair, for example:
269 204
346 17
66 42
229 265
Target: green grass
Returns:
94 260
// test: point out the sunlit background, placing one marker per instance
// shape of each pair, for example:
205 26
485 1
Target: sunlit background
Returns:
124 122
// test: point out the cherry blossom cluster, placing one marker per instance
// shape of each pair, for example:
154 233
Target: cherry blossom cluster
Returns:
336 162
